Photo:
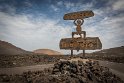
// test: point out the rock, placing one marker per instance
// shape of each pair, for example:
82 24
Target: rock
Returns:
66 72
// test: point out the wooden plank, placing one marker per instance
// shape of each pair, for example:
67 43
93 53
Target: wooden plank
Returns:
88 43
78 15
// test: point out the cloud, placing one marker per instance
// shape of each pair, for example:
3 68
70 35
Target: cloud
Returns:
108 29
118 5
69 5
25 33
54 8
32 32
7 8
59 3
27 3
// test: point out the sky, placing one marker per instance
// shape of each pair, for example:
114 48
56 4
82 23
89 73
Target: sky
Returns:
38 24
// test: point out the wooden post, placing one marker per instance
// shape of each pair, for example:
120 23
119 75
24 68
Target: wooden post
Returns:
72 50
71 53
84 49
83 53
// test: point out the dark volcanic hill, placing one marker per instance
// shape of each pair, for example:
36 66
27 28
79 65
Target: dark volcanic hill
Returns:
117 51
9 49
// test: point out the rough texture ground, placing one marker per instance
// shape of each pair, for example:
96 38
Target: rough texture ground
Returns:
66 72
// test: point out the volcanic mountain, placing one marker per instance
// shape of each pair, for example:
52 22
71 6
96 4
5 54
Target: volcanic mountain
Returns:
47 51
9 49
116 51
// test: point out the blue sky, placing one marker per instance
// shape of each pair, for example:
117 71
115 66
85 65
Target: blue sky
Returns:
34 24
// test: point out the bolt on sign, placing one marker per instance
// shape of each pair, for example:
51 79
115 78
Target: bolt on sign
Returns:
80 43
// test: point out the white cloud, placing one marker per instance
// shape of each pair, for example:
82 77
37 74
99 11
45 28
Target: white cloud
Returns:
109 30
31 35
77 6
69 5
54 8
59 3
46 33
7 8
27 3
118 5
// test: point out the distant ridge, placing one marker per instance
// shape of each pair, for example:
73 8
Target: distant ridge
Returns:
9 49
116 51
47 51
112 50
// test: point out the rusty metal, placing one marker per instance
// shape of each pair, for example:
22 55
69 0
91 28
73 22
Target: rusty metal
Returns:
80 43
88 43
78 15
78 24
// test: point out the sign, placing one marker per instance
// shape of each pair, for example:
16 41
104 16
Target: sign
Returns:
81 43
88 43
78 15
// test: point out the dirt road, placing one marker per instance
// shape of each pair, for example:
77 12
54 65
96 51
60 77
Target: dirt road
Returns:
116 68
20 70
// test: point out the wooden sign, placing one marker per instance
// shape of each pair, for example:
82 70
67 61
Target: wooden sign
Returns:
78 15
88 43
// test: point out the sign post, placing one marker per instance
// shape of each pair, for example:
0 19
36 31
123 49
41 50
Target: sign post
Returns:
80 43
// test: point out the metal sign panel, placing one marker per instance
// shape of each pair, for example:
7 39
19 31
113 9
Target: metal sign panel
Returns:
78 15
88 43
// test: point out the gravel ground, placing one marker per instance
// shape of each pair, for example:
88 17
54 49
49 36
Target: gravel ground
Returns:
73 71
20 70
